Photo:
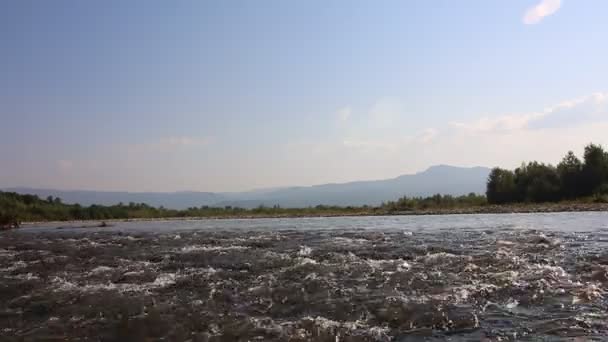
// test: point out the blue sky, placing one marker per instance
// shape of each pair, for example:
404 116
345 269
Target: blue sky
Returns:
235 95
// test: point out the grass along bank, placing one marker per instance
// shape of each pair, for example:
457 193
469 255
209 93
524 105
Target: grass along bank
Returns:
387 209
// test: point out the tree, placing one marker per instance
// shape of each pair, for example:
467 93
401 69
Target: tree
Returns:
11 209
595 169
570 174
501 186
537 182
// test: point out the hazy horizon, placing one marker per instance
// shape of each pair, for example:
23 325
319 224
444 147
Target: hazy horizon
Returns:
151 96
248 190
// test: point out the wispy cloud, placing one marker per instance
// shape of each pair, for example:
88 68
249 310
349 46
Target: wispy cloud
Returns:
169 144
584 109
184 141
591 108
385 112
380 129
500 124
537 13
369 144
493 140
353 153
427 136
344 114
392 144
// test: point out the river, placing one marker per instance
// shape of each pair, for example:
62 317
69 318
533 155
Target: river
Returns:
396 278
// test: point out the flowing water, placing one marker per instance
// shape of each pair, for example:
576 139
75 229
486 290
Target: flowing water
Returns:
412 278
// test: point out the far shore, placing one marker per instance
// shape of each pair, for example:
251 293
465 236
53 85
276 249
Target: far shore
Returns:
486 209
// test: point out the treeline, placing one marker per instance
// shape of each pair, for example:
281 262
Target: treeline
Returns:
16 208
434 202
536 182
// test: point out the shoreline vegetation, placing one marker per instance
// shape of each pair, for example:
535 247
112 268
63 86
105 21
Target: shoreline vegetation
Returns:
582 205
572 185
524 208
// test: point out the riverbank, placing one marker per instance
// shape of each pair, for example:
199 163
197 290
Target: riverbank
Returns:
521 208
486 209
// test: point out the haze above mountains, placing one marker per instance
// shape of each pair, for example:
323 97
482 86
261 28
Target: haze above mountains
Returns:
441 179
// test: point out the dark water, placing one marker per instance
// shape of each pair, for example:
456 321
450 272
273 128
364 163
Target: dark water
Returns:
460 278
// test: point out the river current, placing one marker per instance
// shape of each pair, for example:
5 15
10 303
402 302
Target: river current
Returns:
398 278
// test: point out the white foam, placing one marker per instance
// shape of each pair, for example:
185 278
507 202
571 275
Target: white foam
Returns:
588 294
101 269
505 243
506 276
198 248
404 266
15 266
376 332
434 258
305 251
311 276
306 261
23 276
462 295
348 241
5 253
512 304
378 264
545 271
164 279
133 273
470 267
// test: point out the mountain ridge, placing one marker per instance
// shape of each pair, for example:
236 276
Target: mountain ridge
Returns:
444 179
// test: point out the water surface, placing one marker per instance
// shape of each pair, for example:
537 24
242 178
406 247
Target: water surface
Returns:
398 278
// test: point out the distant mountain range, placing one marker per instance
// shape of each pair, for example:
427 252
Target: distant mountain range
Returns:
441 179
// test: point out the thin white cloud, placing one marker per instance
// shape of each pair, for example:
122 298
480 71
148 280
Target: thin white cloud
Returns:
393 144
183 141
569 113
535 14
505 123
591 108
169 144
344 114
427 136
385 112
370 144
505 140
354 153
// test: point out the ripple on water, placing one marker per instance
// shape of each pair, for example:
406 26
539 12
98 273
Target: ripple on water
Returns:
316 285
